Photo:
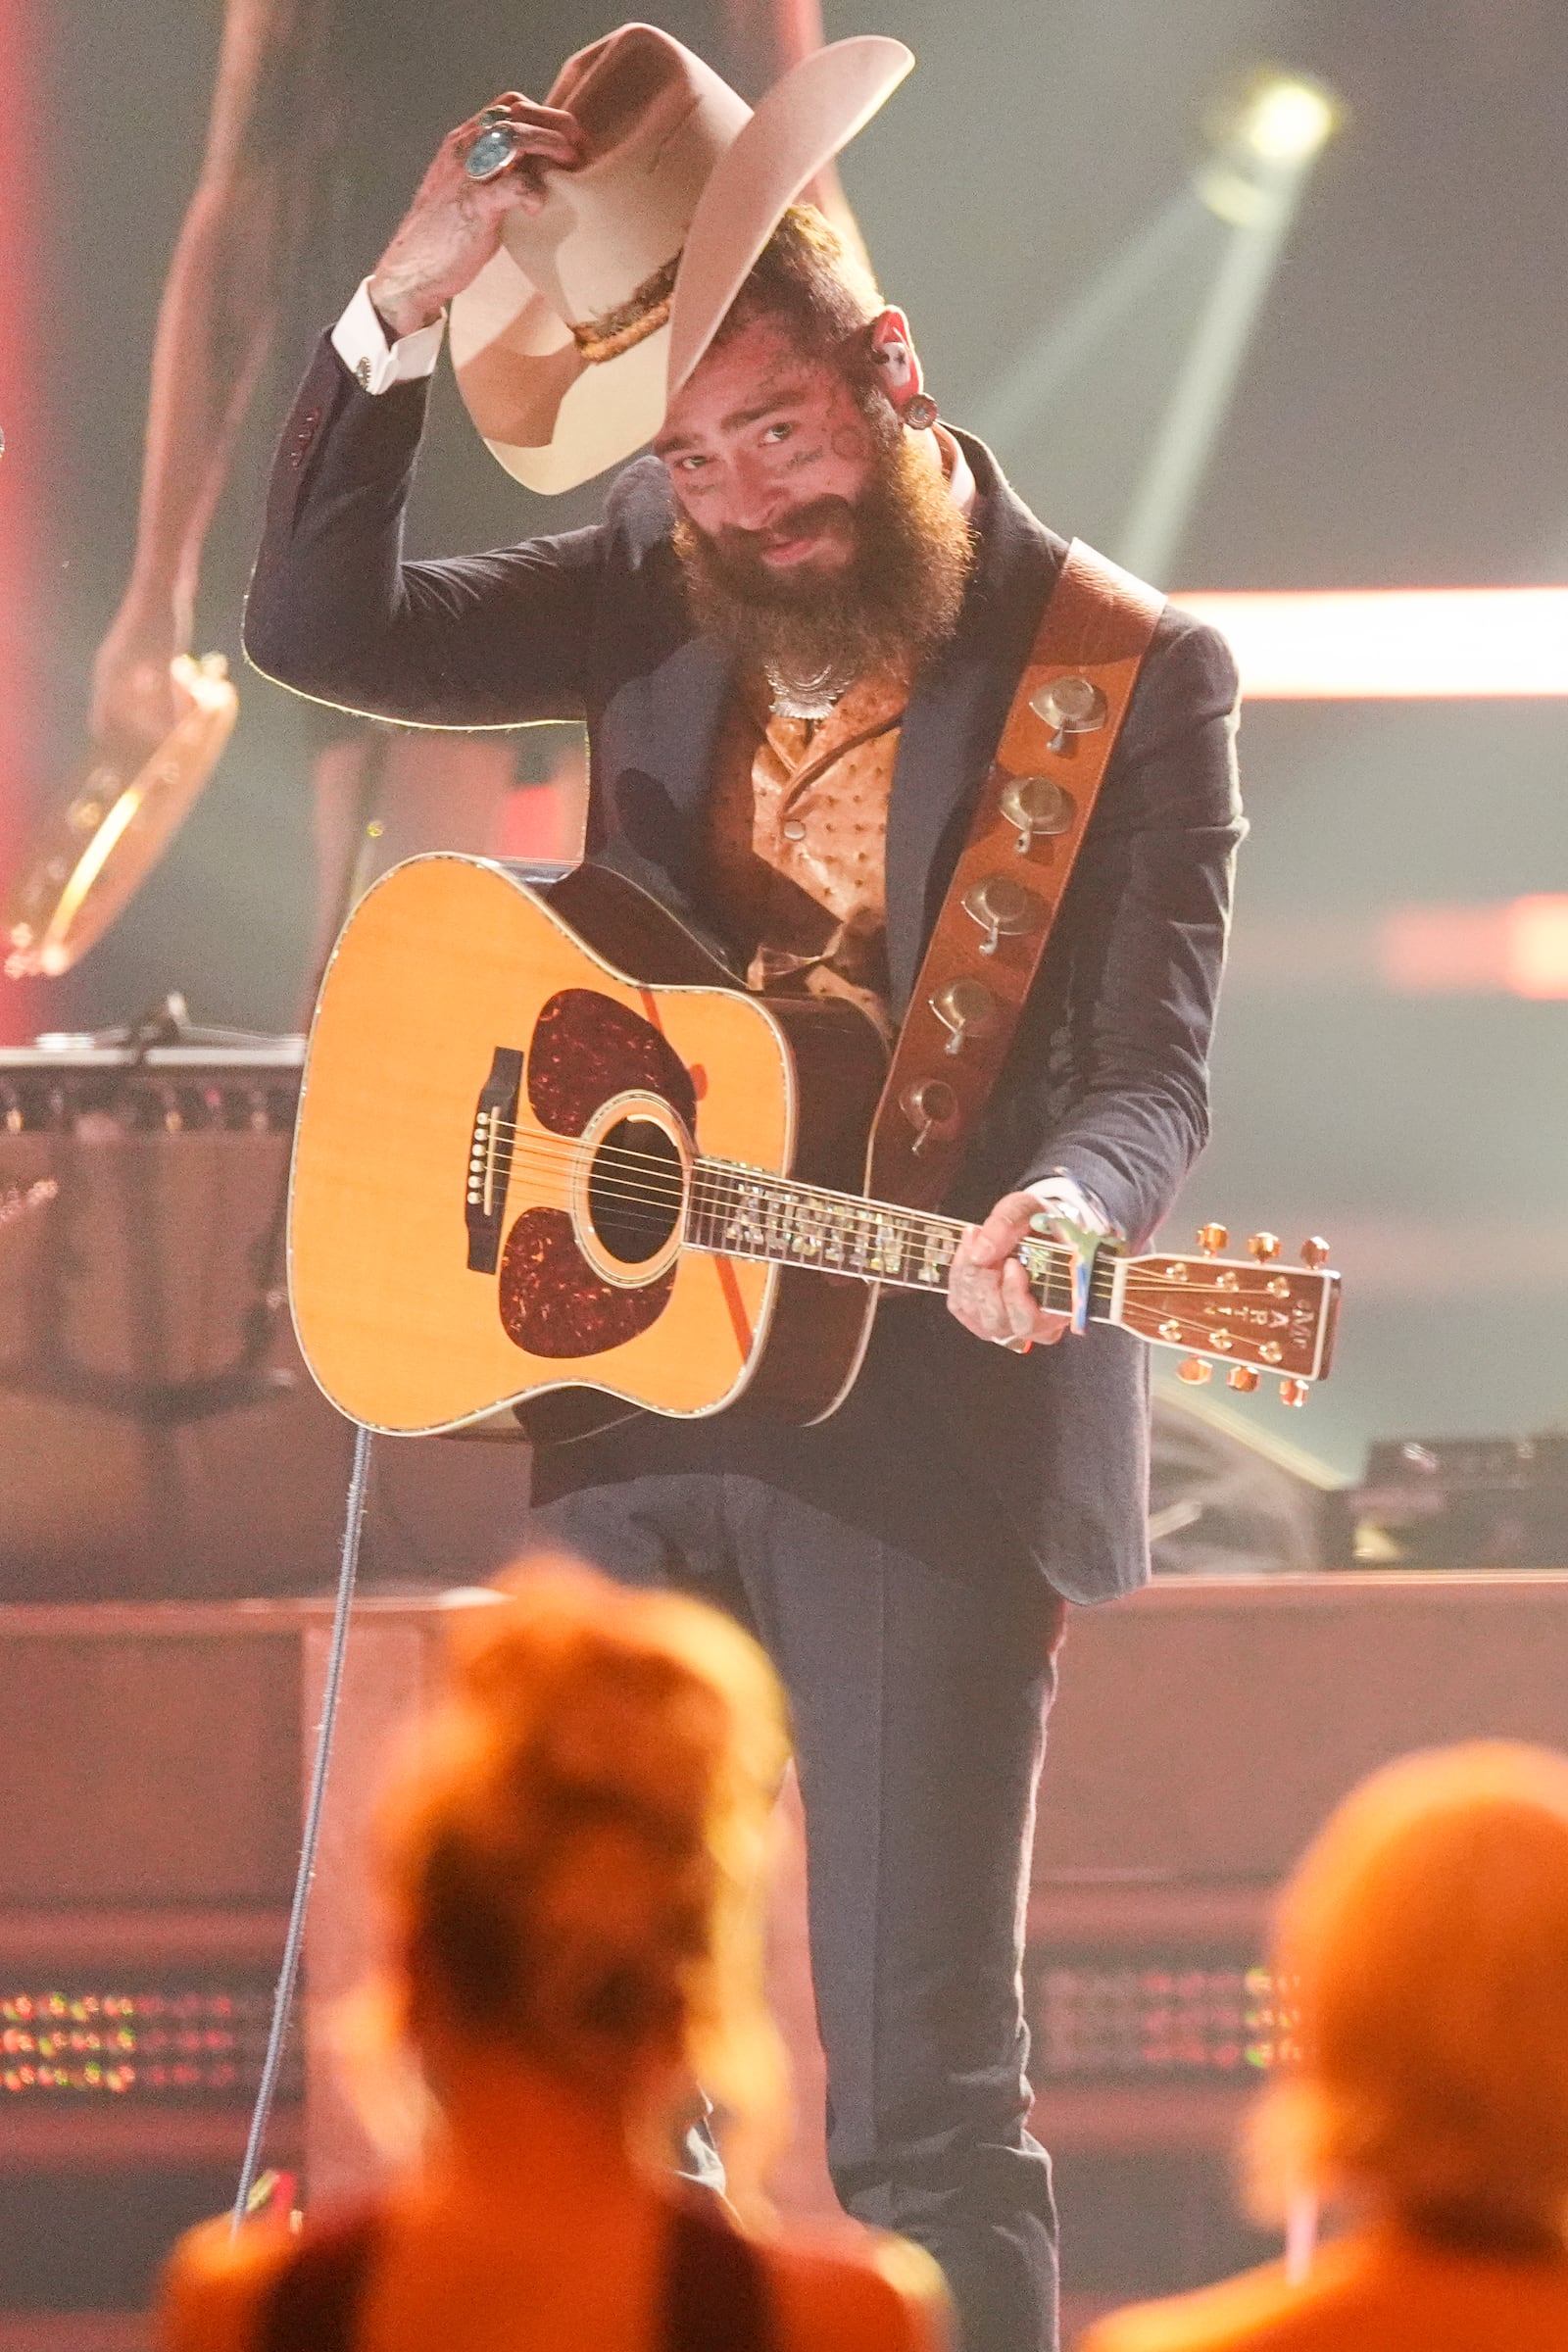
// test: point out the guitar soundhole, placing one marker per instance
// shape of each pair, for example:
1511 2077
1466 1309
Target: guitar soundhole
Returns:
635 1191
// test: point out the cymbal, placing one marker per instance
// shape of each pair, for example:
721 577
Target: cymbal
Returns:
95 854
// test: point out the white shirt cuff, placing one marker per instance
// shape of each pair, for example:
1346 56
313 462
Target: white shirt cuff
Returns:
1064 1195
376 365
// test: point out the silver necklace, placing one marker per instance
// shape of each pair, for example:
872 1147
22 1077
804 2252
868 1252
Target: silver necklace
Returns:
811 698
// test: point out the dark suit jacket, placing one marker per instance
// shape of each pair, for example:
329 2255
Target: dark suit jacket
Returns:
1107 1074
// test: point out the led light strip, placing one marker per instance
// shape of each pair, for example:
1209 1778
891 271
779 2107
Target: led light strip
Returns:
1393 644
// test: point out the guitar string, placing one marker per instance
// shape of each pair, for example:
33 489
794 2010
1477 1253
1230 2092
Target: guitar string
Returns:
665 1164
539 1141
911 1230
1194 1330
708 1198
664 1181
1044 1282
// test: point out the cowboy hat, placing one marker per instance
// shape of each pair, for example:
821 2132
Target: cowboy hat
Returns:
594 309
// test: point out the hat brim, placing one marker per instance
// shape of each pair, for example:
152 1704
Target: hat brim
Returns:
807 118
563 421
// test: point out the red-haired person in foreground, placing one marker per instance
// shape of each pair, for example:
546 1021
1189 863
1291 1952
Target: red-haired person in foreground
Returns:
1426 1935
573 1863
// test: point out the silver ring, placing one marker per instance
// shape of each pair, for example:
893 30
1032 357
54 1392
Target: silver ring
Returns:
492 151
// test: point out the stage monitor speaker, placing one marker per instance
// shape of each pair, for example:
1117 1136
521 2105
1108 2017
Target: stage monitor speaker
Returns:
160 1436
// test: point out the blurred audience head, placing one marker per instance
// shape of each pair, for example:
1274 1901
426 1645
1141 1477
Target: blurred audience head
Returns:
575 1851
1424 1944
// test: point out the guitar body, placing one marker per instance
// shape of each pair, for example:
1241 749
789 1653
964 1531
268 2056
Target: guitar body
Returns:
497 1126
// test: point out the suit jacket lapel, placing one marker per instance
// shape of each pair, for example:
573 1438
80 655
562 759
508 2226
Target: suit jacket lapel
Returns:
655 732
657 725
676 726
956 712
654 751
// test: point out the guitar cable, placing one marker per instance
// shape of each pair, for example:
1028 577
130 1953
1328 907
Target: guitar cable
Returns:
294 1942
268 1255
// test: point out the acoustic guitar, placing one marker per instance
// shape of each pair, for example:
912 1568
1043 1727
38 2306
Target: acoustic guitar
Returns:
548 1154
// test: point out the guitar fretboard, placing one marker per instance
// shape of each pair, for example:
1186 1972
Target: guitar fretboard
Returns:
745 1212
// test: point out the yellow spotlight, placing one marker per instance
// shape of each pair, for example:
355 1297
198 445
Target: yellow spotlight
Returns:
1265 132
1290 119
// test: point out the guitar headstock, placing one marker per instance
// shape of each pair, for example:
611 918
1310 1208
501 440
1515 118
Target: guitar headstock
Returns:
1247 1316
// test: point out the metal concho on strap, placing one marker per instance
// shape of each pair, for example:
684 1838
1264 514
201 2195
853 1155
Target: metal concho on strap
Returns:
1007 886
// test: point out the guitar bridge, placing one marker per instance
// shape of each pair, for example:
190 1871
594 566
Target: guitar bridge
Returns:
495 1125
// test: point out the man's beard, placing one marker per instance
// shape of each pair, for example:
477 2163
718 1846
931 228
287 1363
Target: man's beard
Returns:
893 605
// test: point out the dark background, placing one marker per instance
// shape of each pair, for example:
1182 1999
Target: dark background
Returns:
1398 422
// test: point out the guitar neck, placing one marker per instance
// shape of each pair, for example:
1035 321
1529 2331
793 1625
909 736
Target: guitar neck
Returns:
746 1213
1249 1319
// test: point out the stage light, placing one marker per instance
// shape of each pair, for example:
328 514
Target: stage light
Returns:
1010 410
1483 947
1538 948
1391 644
1288 119
1514 948
1264 134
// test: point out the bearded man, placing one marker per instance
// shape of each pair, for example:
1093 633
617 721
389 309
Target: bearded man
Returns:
794 636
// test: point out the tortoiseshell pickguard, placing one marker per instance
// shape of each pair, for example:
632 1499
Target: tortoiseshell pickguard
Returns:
585 1049
553 1304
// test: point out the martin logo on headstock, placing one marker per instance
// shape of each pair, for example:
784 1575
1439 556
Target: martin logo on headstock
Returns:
1250 1315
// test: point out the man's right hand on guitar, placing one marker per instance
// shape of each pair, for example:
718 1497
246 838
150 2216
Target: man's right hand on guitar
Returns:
453 225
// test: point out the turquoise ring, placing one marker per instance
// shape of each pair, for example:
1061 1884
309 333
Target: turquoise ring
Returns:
492 151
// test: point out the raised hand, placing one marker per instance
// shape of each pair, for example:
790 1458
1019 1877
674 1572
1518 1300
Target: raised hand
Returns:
453 225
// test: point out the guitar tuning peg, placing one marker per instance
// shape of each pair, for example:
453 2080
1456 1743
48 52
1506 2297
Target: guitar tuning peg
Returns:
1314 1251
1195 1371
1293 1392
1243 1378
1263 1247
1211 1238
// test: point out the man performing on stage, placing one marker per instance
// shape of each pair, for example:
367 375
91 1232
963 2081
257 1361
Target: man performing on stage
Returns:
795 637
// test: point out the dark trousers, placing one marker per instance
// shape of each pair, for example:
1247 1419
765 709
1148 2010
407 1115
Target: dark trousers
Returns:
917 1645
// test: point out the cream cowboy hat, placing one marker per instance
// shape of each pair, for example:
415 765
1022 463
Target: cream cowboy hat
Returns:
596 309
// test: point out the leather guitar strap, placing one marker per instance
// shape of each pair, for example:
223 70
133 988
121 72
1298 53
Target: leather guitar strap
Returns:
1012 875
